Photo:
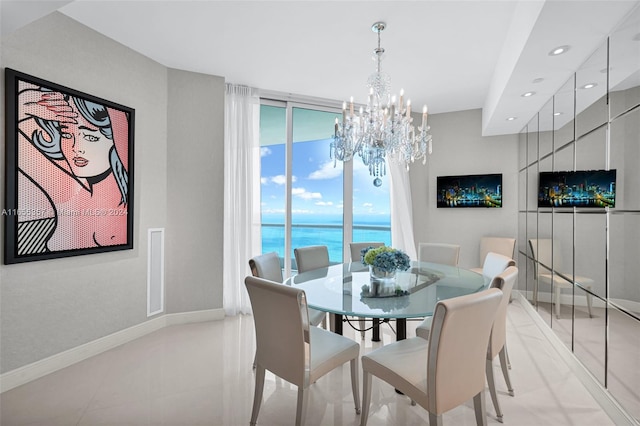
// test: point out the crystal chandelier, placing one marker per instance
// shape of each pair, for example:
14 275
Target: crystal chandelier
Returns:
383 128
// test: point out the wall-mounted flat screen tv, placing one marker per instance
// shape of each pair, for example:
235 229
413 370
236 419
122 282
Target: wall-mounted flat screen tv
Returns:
583 188
470 191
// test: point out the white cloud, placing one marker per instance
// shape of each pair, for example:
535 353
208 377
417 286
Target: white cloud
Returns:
327 171
324 203
302 193
264 151
264 181
367 205
281 179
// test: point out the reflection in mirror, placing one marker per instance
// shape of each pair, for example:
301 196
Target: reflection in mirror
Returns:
532 232
625 158
545 129
521 251
589 335
563 113
522 150
522 190
563 160
563 266
624 268
591 93
532 140
623 375
591 150
624 63
545 223
591 253
532 187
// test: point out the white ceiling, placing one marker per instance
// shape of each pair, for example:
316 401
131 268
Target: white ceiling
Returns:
451 55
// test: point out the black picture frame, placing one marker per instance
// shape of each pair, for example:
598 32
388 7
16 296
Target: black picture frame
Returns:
580 188
69 163
470 191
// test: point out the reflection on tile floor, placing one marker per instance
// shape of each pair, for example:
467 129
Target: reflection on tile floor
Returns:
200 374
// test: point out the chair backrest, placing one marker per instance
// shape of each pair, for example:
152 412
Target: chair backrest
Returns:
495 264
356 248
282 328
505 282
311 257
447 254
547 252
500 245
458 347
267 266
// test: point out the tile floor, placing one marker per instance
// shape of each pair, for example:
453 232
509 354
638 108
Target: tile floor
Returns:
200 374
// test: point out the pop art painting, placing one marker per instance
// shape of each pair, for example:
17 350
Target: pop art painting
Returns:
69 172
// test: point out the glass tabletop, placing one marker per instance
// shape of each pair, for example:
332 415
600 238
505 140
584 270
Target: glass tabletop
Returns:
344 289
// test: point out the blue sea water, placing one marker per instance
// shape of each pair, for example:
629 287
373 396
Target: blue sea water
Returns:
308 230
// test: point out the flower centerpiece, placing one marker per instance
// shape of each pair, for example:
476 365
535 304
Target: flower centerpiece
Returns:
383 263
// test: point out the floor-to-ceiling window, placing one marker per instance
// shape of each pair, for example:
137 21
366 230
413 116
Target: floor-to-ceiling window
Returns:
306 198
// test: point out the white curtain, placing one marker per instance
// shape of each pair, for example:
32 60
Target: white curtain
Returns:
401 209
241 194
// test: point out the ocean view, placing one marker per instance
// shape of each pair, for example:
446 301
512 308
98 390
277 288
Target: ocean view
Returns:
308 230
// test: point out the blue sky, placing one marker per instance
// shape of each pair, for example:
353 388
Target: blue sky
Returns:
317 184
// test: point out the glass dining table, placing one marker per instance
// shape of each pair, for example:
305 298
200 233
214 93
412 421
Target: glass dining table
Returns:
345 290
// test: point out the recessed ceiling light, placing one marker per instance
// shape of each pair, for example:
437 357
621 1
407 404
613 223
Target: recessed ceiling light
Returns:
559 50
526 95
538 80
511 118
557 113
589 86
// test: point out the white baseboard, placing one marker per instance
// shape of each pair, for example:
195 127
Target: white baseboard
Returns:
608 403
20 376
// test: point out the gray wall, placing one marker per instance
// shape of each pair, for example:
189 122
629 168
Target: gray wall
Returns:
50 306
195 174
459 149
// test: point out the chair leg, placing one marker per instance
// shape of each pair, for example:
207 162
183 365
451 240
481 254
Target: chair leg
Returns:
257 396
254 360
480 409
324 322
505 370
366 397
332 322
354 383
362 326
301 410
492 390
557 301
435 420
589 302
507 354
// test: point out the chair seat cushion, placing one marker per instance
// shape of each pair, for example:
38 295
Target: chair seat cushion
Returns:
403 363
476 270
561 282
328 351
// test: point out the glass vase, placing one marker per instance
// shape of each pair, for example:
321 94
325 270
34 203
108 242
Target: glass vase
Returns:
383 283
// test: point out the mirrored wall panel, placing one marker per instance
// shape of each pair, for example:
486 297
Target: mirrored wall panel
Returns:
581 252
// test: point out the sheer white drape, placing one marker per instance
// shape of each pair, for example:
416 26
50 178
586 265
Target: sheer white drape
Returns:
401 209
241 194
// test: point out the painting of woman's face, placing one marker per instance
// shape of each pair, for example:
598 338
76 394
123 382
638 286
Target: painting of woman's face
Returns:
86 149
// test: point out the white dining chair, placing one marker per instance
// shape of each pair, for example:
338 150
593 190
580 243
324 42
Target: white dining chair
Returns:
268 266
446 370
311 257
494 265
501 245
289 348
498 339
447 254
547 254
